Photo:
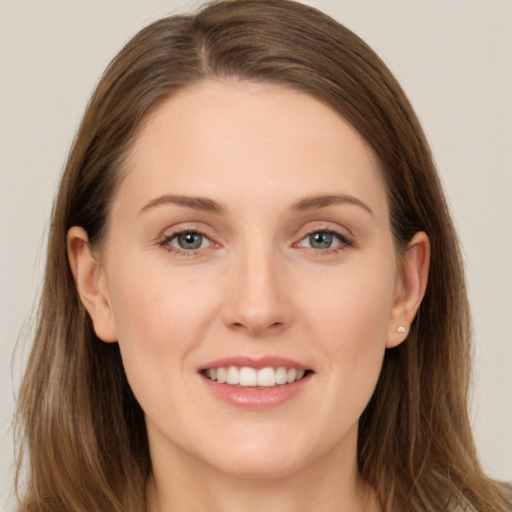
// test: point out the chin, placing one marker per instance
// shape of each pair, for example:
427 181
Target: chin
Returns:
263 456
261 466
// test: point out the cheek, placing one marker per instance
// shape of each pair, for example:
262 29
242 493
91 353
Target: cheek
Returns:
160 319
354 308
350 324
151 299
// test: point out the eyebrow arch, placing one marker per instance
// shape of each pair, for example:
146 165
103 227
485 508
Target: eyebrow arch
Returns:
317 202
195 203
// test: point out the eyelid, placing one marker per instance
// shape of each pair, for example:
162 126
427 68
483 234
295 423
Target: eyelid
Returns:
344 236
172 232
186 227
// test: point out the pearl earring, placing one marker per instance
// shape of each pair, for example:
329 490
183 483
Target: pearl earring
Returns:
400 329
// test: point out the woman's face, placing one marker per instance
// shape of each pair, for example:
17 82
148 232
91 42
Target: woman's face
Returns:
249 240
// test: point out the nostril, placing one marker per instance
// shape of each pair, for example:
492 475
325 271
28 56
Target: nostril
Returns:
258 328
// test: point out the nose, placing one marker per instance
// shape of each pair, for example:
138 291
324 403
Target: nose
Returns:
258 301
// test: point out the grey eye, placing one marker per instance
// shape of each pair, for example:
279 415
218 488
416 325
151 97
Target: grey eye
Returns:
189 240
321 240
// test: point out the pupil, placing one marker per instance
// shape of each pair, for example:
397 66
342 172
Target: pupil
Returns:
320 240
190 240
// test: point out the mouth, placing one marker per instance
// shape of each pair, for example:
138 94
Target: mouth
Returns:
255 378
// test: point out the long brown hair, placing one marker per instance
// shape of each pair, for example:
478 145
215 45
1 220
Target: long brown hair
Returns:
85 443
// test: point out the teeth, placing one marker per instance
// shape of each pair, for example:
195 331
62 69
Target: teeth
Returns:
232 376
266 377
221 375
281 375
250 377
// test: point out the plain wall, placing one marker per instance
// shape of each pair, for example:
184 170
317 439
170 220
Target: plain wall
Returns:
454 61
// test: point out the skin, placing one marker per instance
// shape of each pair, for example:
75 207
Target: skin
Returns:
256 287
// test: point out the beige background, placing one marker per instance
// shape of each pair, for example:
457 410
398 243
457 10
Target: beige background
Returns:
453 58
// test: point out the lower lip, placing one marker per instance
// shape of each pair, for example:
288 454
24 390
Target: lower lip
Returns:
252 398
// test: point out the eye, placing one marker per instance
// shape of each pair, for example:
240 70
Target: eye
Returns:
187 241
324 239
321 240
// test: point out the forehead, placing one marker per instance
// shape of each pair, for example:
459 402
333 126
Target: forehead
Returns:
262 140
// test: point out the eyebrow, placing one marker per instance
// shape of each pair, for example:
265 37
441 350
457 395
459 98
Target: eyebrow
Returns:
317 202
195 203
208 205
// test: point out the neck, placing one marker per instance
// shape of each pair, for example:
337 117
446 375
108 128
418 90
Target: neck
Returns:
326 485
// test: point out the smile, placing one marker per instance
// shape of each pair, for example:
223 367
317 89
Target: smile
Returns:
247 376
256 383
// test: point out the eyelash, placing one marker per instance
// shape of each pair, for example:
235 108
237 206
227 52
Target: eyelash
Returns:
167 239
344 241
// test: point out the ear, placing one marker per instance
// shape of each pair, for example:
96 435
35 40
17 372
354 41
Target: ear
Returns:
410 288
91 283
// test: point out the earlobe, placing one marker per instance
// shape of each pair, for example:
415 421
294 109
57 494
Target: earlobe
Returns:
411 285
89 276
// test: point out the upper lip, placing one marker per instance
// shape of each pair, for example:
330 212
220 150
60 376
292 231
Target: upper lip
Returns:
257 363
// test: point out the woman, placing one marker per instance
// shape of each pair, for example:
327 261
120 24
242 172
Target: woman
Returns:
263 306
